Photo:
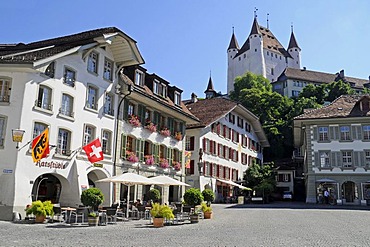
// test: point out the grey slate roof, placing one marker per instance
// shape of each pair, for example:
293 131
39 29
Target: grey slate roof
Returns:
292 42
233 43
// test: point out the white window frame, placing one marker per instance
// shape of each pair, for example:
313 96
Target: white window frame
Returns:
345 134
177 98
64 142
366 132
44 98
106 141
5 85
38 128
92 98
367 157
69 77
89 134
92 62
139 78
324 159
347 158
323 133
108 69
66 107
109 104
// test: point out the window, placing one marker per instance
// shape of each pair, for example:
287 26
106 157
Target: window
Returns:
367 158
89 134
106 141
160 88
64 138
108 69
44 98
162 151
323 133
189 144
272 71
344 133
347 158
284 177
148 115
139 78
92 98
69 77
324 159
130 109
231 118
108 104
177 98
295 93
4 90
92 62
240 122
366 132
2 130
50 70
38 128
67 105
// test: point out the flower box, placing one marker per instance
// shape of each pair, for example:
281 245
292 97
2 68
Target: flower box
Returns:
163 163
178 136
149 160
176 165
131 156
151 127
134 120
165 132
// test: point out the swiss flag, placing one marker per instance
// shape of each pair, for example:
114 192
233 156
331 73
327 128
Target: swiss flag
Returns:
94 151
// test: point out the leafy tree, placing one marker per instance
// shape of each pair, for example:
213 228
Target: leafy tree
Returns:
338 88
261 178
316 92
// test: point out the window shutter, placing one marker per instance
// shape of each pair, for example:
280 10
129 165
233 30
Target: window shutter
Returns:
169 156
191 167
362 160
125 110
156 118
317 159
337 133
141 114
356 158
156 153
123 146
180 157
353 133
137 147
170 126
339 159
315 134
142 147
332 133
182 128
204 145
192 143
359 132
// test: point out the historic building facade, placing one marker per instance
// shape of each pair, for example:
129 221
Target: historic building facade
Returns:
335 146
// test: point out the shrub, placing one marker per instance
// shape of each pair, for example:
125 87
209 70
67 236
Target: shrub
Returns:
92 197
161 211
40 208
208 196
206 208
193 197
154 195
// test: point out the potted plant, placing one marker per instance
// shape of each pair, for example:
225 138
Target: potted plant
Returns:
208 196
193 197
154 195
40 210
131 156
134 120
92 197
176 165
149 160
178 136
165 131
151 126
93 219
163 163
159 213
207 211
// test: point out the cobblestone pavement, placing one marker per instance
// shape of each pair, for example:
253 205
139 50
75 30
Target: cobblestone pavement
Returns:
276 224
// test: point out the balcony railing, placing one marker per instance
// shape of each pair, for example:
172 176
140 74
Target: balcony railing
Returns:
64 152
91 106
109 111
4 98
40 104
66 112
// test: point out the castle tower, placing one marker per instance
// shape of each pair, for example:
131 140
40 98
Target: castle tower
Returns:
256 60
231 52
210 91
295 52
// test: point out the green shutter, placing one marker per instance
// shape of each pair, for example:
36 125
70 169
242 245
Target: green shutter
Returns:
137 147
180 157
125 110
170 125
141 114
156 118
142 147
357 158
359 132
315 133
182 128
332 133
169 156
123 146
337 133
156 153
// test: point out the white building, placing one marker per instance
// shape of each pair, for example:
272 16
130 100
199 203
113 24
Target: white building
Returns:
66 84
261 54
223 145
334 142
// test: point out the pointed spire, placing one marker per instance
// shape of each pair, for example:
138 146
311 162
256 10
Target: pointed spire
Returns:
233 42
293 42
210 89
255 27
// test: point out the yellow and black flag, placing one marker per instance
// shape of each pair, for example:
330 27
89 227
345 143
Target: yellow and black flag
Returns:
40 146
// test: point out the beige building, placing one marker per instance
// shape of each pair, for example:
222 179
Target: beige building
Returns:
334 141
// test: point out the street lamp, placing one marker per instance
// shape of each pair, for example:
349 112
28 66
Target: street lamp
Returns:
17 136
123 93
38 186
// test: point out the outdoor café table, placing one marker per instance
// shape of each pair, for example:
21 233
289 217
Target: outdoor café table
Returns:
69 211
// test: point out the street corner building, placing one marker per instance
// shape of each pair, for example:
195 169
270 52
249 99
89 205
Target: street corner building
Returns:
71 86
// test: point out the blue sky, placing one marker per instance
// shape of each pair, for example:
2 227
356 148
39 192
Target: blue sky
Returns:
182 41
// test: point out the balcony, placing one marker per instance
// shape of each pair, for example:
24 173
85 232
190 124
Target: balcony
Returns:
63 152
40 104
66 112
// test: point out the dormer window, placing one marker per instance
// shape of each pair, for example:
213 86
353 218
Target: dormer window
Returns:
69 77
108 69
364 105
50 70
177 98
160 88
139 78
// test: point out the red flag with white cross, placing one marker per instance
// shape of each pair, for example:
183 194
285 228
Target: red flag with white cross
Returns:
94 151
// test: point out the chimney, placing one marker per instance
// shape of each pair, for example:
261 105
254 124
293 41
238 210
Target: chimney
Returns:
194 97
341 73
304 68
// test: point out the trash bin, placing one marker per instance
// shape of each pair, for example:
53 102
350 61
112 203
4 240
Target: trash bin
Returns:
240 199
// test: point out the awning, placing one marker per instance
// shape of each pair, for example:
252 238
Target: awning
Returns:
326 180
233 184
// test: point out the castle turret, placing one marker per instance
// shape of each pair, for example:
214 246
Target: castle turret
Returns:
256 59
210 91
231 52
295 53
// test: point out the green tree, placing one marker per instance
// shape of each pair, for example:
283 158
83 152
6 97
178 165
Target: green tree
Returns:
261 178
316 92
336 89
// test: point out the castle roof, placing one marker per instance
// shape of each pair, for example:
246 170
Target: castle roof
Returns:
210 87
319 77
233 43
269 41
292 42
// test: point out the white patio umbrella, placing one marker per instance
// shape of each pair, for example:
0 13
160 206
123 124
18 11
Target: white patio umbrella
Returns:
167 181
129 179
